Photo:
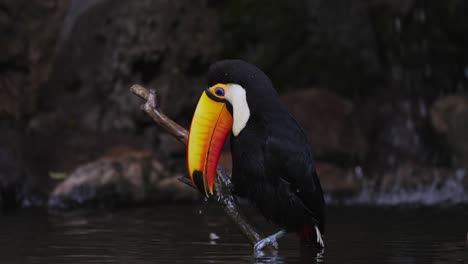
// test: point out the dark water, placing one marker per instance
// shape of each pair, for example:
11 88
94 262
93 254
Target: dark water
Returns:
180 234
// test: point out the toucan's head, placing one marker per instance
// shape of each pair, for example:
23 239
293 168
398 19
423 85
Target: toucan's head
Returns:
235 90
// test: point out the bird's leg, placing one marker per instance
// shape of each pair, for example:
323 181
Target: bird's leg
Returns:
271 240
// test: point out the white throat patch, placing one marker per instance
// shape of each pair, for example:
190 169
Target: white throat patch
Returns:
235 94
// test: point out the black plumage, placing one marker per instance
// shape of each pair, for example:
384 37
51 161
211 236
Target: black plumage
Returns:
272 160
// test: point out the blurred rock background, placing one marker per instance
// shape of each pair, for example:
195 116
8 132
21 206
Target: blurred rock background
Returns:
379 86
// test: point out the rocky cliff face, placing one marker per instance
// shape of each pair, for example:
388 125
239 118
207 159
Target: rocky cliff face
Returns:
27 55
29 31
112 45
385 69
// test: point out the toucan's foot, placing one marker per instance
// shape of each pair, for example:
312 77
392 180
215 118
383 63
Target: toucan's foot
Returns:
269 241
319 237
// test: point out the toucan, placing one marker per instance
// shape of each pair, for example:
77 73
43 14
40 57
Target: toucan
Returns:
272 162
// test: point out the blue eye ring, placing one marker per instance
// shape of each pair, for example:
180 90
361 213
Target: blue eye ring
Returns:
219 91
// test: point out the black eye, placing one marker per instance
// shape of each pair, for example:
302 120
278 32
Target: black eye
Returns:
219 91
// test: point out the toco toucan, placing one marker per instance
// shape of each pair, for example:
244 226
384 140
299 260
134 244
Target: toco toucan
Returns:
272 163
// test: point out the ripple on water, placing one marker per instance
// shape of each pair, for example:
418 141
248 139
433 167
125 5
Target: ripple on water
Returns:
178 234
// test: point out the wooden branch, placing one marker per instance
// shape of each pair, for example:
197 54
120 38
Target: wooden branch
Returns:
151 107
223 194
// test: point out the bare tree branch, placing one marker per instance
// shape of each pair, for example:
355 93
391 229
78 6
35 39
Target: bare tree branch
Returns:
223 194
151 107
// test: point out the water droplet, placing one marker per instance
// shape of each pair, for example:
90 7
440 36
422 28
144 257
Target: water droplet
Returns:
422 109
428 70
459 86
460 174
398 24
358 171
214 236
200 212
421 15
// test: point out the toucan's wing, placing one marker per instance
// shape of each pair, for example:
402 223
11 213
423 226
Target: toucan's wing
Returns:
288 155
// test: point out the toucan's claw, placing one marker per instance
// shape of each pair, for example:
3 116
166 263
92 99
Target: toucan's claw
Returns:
271 241
319 237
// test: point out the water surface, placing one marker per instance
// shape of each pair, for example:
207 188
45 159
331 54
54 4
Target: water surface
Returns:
202 234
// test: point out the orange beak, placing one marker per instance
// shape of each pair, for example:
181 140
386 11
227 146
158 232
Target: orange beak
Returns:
210 127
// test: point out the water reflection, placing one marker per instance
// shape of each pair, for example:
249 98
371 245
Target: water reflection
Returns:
302 255
170 234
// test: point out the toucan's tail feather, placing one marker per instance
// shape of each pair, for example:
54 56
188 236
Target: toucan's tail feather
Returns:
311 235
